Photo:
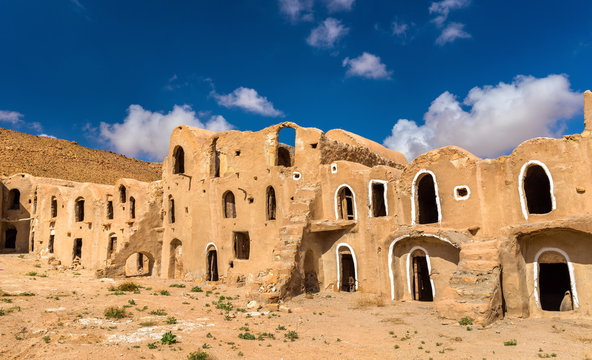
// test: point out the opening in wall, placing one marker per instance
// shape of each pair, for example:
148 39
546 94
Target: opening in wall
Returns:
286 147
54 207
112 245
122 194
50 243
79 210
132 207
179 158
77 253
110 210
215 159
378 203
171 209
229 205
10 238
426 200
271 206
422 286
348 271
212 259
242 245
537 189
345 204
14 199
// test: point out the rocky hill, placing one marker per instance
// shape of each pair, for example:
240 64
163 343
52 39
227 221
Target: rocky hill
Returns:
63 159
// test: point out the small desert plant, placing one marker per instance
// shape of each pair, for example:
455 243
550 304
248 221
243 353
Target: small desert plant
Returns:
115 313
147 324
466 321
246 336
291 335
158 312
171 320
368 300
177 285
46 339
151 346
164 293
511 342
31 273
168 338
127 286
196 289
198 355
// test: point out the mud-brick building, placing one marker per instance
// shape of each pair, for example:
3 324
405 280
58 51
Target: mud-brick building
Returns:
482 238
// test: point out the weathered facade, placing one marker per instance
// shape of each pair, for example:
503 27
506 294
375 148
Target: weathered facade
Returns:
480 237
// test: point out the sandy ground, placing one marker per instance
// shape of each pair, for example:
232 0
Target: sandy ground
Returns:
64 319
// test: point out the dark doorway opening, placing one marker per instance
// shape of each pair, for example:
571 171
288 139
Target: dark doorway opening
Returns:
229 205
79 210
50 244
112 245
14 199
537 189
426 200
10 238
54 207
215 159
122 194
270 203
242 245
286 147
179 155
212 265
422 287
77 249
378 205
345 204
311 281
554 281
348 273
132 207
110 210
171 209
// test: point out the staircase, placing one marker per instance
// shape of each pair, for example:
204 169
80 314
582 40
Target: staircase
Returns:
475 290
285 279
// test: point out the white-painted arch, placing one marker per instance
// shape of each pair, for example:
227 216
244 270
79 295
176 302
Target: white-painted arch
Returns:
339 263
413 195
429 269
521 185
211 244
572 279
354 199
390 256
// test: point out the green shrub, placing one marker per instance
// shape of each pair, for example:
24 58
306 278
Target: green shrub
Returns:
171 320
158 312
115 313
151 346
168 338
246 336
198 355
511 342
177 286
31 273
291 335
466 321
164 293
196 289
127 286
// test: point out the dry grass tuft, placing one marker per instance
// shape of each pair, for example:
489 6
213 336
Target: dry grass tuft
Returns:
369 300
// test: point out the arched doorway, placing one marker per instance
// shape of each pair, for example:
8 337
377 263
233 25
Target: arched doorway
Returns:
345 203
176 270
179 158
554 281
212 263
536 188
139 264
347 272
421 289
426 198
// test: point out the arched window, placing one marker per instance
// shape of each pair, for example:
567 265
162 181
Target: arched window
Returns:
284 158
14 199
229 206
132 207
171 209
345 203
426 199
537 189
286 147
122 194
54 207
179 158
270 203
79 209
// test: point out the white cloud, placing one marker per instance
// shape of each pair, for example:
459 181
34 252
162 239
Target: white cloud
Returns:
366 65
47 135
452 32
498 119
339 5
327 34
442 9
400 29
147 132
297 10
248 100
11 117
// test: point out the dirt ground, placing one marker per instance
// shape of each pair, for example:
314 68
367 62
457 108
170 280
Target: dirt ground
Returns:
61 315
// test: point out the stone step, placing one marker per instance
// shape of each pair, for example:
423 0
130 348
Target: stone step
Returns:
481 265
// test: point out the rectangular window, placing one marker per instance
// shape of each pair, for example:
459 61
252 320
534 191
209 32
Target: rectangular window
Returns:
50 245
242 245
378 204
110 209
77 249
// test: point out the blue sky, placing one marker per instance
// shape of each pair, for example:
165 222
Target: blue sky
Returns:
119 75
